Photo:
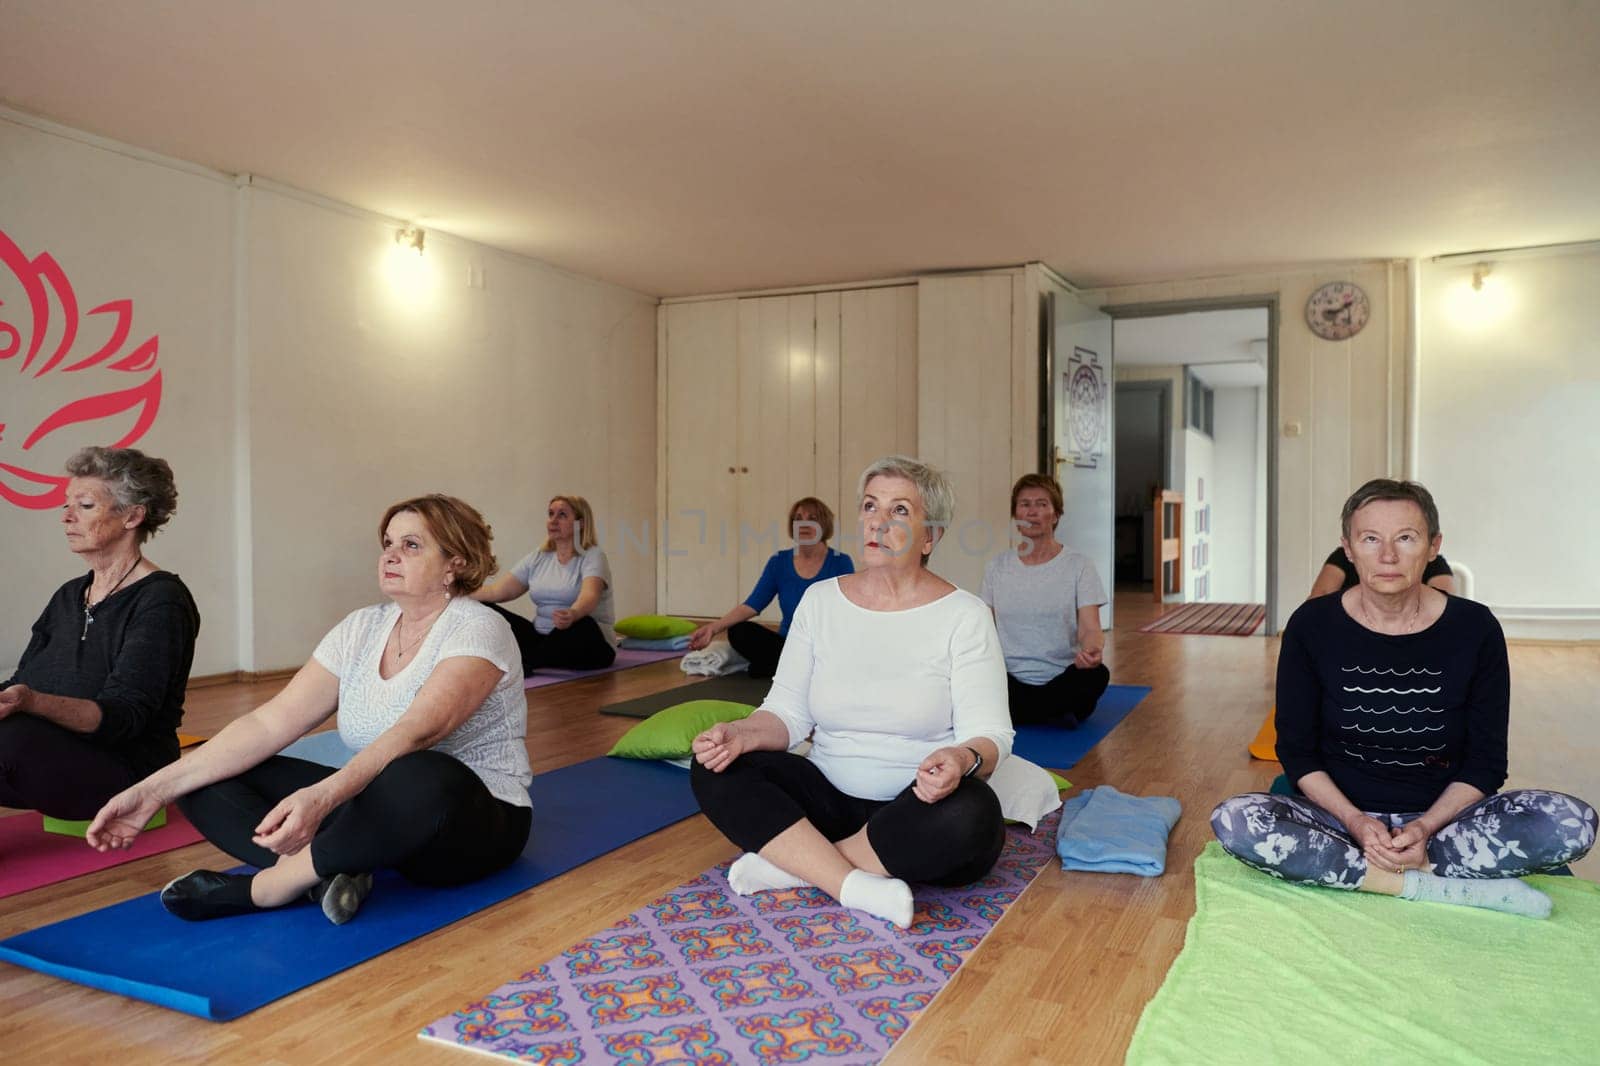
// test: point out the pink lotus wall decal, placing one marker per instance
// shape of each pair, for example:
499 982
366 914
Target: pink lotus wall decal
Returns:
39 335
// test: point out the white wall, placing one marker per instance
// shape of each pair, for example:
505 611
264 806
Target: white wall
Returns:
1238 555
391 377
1509 434
294 414
120 227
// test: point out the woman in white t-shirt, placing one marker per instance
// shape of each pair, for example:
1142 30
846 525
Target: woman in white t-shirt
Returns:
1046 600
569 581
897 677
427 690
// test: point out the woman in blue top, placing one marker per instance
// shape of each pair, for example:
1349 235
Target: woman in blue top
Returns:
787 576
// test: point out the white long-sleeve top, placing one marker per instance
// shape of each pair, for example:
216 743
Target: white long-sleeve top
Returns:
878 690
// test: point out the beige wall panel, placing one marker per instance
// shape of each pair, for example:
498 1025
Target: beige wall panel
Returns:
826 406
964 410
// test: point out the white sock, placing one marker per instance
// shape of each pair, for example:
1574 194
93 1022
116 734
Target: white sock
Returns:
888 898
1505 894
751 873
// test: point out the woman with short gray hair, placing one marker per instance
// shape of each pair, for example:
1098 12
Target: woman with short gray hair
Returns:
97 698
1393 702
897 677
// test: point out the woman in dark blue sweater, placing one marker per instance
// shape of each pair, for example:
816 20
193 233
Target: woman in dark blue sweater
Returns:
1393 700
787 575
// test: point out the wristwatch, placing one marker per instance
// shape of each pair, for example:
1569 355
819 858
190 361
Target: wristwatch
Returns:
978 761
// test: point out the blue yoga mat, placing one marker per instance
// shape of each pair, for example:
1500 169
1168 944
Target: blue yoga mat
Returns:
222 969
1060 749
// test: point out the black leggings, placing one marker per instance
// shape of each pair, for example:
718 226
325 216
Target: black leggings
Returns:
47 768
1065 700
758 644
581 646
953 842
425 814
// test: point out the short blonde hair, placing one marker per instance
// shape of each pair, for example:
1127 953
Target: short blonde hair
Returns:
585 515
938 497
461 532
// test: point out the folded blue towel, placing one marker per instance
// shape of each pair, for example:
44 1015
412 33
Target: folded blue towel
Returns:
1104 831
662 644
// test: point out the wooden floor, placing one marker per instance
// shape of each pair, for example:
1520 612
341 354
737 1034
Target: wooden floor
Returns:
1063 977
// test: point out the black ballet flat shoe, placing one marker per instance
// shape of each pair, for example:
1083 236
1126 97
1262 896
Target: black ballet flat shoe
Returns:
341 895
201 895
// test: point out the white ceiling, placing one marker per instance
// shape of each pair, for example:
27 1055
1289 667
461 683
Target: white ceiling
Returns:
1221 337
681 146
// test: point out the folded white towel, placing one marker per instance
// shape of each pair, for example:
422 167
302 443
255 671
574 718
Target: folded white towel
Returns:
714 660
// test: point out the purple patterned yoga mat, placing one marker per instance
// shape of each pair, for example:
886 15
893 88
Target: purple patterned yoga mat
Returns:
702 975
626 659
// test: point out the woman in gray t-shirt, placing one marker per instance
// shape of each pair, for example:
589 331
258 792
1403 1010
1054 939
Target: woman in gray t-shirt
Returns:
568 581
1046 600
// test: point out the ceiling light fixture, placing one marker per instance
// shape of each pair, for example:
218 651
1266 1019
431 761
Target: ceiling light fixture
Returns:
1480 272
410 237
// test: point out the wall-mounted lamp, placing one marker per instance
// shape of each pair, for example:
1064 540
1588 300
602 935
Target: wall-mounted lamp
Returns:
410 237
1479 272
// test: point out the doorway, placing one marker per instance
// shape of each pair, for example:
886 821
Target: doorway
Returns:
1195 397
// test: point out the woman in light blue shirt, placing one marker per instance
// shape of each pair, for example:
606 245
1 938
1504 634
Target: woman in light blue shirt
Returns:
569 582
787 575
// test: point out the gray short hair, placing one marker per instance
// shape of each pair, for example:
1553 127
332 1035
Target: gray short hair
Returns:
1383 488
938 498
134 480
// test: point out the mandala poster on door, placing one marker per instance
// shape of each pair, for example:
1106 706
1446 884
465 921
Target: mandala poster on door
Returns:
1084 395
71 377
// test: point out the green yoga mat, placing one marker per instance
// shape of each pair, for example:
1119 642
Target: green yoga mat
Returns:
1276 973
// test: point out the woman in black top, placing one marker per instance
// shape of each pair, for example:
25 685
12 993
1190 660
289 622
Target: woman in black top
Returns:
1393 701
1339 573
96 701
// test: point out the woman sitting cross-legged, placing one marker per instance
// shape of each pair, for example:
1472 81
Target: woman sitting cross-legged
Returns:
787 575
98 696
569 582
897 677
428 690
1393 701
1046 599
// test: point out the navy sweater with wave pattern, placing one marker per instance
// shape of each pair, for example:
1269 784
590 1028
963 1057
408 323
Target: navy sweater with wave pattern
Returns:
1394 719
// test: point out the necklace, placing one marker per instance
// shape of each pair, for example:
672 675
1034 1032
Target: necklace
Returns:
89 607
400 637
1405 628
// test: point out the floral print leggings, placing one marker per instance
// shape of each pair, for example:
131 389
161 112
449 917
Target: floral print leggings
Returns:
1505 835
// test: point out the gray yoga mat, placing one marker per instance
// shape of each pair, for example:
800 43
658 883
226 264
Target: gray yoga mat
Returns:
736 688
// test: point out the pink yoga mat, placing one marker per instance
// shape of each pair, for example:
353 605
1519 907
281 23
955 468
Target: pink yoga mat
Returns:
626 659
31 858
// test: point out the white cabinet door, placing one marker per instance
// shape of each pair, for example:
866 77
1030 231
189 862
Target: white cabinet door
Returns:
777 429
701 433
877 392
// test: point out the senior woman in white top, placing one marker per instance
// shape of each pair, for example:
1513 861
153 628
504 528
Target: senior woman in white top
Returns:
428 688
897 677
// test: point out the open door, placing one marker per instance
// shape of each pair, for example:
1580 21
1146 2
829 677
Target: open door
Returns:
1082 376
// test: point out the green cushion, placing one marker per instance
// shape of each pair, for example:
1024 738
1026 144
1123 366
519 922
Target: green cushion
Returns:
669 734
654 626
66 828
1062 784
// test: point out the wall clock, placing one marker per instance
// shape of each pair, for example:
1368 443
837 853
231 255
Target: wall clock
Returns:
1338 311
